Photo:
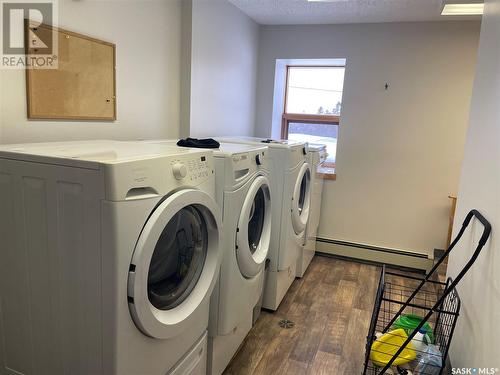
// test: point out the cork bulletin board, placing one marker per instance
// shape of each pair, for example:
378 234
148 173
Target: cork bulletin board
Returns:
83 86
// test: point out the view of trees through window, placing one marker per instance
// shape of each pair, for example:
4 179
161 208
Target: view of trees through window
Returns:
315 90
314 105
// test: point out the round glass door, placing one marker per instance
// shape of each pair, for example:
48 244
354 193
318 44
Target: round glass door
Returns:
301 199
254 228
256 219
175 263
178 259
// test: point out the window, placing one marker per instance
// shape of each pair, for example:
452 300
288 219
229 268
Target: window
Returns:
313 104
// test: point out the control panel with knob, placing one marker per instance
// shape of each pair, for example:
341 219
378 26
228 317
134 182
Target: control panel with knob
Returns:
179 170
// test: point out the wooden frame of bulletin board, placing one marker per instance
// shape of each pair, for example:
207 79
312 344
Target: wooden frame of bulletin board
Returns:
83 87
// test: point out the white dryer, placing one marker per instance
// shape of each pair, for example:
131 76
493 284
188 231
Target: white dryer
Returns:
243 193
110 252
317 155
290 178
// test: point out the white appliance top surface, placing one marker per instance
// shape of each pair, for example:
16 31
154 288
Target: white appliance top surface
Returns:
225 149
238 148
262 141
316 147
100 151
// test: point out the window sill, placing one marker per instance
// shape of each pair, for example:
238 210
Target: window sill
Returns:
326 173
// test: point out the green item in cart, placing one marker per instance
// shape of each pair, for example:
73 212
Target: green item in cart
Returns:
410 321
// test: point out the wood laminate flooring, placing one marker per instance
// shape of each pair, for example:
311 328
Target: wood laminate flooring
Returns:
331 307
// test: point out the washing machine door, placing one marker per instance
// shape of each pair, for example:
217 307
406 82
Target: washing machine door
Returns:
254 228
175 263
301 200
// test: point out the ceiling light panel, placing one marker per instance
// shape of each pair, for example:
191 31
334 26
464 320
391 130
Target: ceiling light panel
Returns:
462 8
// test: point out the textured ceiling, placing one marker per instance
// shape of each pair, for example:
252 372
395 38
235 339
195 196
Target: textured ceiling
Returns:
287 12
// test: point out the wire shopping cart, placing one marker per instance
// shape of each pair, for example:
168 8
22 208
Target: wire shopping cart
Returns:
414 318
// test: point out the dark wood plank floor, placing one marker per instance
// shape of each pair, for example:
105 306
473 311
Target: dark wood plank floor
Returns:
331 308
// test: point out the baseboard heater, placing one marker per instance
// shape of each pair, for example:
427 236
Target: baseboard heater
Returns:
377 254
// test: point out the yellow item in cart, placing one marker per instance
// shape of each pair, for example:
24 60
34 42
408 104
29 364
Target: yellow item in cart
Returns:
386 346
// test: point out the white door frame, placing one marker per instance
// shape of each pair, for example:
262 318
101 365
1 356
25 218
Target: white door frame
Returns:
169 323
301 216
251 264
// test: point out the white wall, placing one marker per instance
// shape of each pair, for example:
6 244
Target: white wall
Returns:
147 38
223 69
476 338
185 71
399 150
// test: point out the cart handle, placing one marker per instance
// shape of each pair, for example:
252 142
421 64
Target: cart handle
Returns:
482 241
451 286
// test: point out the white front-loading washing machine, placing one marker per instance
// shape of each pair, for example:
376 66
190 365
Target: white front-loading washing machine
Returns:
317 155
110 252
290 178
243 193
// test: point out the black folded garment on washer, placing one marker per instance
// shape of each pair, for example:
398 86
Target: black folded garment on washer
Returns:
198 143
